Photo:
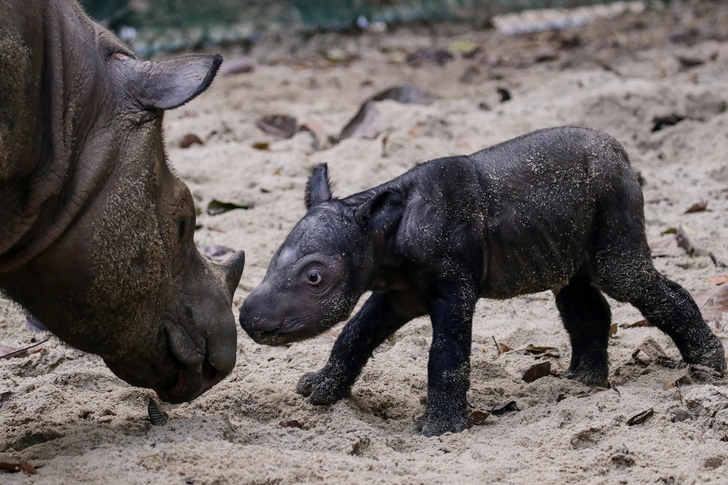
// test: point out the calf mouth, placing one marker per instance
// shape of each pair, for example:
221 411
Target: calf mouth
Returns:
191 383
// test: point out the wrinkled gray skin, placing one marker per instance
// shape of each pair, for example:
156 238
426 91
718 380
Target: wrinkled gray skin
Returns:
557 209
96 233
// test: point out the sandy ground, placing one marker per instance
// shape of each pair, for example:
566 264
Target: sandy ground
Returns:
64 412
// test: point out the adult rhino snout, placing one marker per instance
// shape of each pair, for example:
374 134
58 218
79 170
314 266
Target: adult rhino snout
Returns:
202 363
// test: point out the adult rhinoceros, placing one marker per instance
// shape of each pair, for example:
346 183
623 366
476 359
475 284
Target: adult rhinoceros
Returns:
96 233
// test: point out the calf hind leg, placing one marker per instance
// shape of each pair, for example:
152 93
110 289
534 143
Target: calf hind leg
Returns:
668 306
586 316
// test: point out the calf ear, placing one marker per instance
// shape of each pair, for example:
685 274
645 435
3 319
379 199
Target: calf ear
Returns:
164 84
318 187
381 211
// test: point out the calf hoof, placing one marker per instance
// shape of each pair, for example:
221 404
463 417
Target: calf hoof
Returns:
434 423
711 354
320 388
588 376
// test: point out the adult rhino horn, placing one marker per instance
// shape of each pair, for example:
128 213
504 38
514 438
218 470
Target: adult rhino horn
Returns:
232 271
166 84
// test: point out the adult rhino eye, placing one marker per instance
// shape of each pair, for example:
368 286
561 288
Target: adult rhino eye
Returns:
314 278
181 228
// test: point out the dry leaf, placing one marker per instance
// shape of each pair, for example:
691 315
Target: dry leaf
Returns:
22 466
715 304
591 391
501 348
718 280
364 124
261 145
539 351
188 140
431 56
677 378
663 246
509 406
699 206
537 371
156 416
321 138
293 423
278 126
10 352
476 418
654 351
679 414
641 323
406 94
613 330
641 417
216 207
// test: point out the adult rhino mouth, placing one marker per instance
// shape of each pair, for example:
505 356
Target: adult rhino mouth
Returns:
191 383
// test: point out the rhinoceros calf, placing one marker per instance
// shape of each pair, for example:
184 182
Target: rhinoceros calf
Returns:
557 209
96 233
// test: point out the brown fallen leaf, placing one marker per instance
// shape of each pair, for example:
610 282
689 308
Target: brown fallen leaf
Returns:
713 304
537 371
561 397
613 330
718 280
641 323
591 391
677 378
429 56
654 351
156 415
21 466
261 145
476 418
321 138
501 348
641 417
364 124
699 206
10 352
679 414
406 94
279 127
216 207
663 246
503 408
539 351
293 423
188 140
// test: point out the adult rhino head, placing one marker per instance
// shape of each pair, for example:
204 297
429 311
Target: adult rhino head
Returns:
96 232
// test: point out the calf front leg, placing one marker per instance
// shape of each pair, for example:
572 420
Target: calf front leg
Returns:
380 317
451 307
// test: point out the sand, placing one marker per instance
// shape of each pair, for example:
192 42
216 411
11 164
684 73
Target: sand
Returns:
68 415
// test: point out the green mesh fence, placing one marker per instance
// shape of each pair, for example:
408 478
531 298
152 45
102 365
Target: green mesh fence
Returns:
156 25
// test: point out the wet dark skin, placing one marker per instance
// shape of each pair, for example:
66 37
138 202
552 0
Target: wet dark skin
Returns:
558 209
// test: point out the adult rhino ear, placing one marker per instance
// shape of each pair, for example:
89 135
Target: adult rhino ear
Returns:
380 212
166 84
318 187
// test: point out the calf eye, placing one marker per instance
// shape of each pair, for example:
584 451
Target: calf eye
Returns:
314 278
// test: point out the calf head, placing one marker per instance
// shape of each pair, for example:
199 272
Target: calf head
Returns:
322 268
124 279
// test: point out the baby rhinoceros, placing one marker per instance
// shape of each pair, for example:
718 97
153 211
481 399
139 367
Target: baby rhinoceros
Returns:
558 209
